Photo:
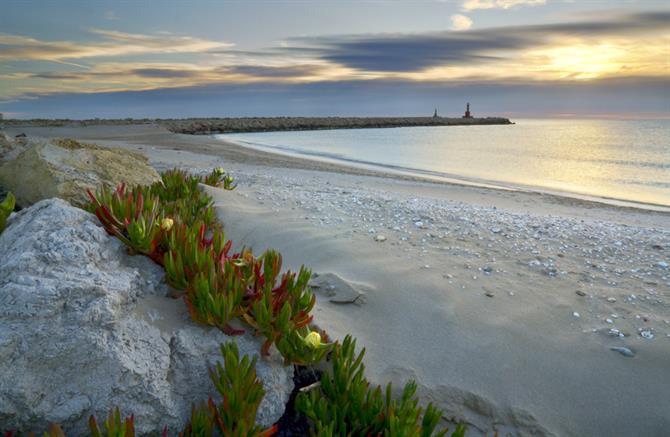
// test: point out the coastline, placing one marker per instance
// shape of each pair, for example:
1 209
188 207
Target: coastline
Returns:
473 291
428 176
148 136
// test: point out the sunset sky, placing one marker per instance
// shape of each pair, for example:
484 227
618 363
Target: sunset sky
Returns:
239 58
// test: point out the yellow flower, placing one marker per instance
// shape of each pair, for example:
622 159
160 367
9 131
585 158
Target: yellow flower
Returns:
167 224
313 339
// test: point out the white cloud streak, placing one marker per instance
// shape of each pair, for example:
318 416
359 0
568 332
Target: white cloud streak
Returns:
471 5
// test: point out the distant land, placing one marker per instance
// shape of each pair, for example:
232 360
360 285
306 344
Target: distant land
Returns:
209 126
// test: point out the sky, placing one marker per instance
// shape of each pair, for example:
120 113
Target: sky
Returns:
172 59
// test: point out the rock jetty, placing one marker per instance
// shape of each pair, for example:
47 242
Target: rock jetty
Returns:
208 126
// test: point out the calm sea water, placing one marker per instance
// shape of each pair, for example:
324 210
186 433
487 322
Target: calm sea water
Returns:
614 159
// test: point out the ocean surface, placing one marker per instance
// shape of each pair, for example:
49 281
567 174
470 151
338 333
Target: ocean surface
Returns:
617 160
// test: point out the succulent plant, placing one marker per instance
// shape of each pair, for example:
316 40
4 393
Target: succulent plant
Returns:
215 298
345 403
6 208
279 311
242 393
189 251
201 423
129 215
219 178
114 426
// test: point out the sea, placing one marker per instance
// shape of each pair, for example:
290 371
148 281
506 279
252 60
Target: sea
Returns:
617 161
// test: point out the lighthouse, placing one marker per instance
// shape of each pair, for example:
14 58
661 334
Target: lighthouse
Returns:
467 111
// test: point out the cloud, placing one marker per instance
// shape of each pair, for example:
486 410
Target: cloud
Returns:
471 5
636 35
111 43
591 49
460 22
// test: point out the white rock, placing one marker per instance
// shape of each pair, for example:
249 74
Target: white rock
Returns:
576 314
380 238
84 327
646 333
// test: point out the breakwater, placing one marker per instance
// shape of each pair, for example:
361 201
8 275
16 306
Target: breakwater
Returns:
209 126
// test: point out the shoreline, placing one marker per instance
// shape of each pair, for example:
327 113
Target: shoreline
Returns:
145 137
429 176
471 291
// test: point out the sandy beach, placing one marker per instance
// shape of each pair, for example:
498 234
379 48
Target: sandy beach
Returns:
525 313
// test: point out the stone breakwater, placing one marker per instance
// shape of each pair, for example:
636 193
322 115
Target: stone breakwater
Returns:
208 126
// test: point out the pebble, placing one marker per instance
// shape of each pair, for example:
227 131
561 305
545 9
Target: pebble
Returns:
609 321
380 238
623 351
663 264
489 294
580 293
646 333
576 314
611 300
487 269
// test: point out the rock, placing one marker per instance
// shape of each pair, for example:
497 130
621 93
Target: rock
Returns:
646 333
380 238
611 299
623 351
576 315
84 327
662 264
580 293
339 290
66 168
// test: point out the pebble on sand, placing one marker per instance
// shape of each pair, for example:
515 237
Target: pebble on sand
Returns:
623 351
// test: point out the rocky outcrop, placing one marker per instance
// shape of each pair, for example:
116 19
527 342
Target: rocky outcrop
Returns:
40 169
85 327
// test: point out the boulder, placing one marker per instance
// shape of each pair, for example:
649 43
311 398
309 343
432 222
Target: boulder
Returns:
43 169
84 327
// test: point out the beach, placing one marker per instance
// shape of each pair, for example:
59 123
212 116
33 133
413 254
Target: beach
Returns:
521 312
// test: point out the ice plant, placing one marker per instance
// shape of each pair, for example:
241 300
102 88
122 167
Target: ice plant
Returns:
166 224
215 297
242 393
6 208
113 426
277 308
313 339
346 404
129 215
218 178
190 251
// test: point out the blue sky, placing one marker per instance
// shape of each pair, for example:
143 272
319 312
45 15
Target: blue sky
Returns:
240 58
